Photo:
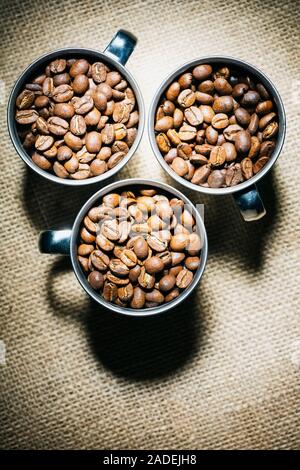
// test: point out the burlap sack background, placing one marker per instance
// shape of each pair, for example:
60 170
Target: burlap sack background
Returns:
223 370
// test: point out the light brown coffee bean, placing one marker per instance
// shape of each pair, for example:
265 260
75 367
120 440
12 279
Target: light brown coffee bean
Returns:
180 166
217 156
223 104
231 132
93 141
202 72
84 104
110 291
121 112
173 91
62 93
186 98
64 110
164 124
222 86
201 175
41 161
247 168
43 142
270 131
26 116
138 300
125 293
172 295
193 115
192 263
216 179
208 113
253 124
230 151
184 279
26 99
167 282
266 148
96 280
80 66
154 265
60 171
72 141
220 121
261 162
57 126
145 279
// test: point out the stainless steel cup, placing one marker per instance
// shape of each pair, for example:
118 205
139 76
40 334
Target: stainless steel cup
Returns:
116 55
65 242
245 194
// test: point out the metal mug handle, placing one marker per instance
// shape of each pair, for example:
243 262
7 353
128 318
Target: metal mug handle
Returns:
121 46
55 241
250 204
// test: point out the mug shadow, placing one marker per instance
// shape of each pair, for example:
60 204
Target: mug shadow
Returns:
138 348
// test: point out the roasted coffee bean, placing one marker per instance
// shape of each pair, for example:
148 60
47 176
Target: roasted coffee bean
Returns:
223 104
43 142
60 170
154 265
250 98
41 161
180 166
167 282
125 293
260 164
57 126
186 98
231 132
217 156
164 124
220 121
61 79
247 168
184 279
192 263
266 148
230 150
25 99
242 142
64 110
204 98
193 115
110 291
96 280
202 72
201 175
75 143
216 179
26 116
242 116
222 86
99 260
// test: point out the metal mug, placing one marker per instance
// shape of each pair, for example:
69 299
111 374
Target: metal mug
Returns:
246 194
65 242
116 55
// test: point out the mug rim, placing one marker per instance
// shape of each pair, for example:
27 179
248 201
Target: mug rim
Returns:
81 277
11 124
254 71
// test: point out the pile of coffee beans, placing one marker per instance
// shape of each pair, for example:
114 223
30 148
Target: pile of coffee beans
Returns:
77 119
139 249
216 126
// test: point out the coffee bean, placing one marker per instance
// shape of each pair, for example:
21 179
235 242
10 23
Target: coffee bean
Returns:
254 148
184 279
164 124
96 280
250 98
26 116
110 291
242 116
243 142
217 156
59 170
222 86
62 93
44 142
261 162
202 72
125 293
72 141
270 130
192 263
253 124
204 98
80 66
41 161
57 126
167 282
154 265
138 300
239 90
220 121
230 151
25 99
179 166
216 179
186 98
262 91
201 175
193 115
231 132
223 104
